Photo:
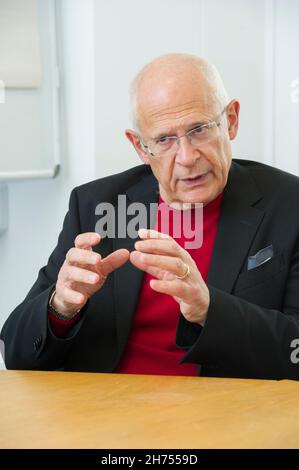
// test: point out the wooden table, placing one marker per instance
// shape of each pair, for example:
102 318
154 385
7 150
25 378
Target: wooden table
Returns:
109 411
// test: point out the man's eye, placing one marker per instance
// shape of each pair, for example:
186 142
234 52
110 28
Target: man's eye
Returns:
199 130
163 140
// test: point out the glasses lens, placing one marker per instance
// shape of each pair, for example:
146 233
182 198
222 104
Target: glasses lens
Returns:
202 134
164 145
168 145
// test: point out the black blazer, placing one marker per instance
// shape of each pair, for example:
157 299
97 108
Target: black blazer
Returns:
253 315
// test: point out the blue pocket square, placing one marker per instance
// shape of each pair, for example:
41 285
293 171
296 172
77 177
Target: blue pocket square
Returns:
261 257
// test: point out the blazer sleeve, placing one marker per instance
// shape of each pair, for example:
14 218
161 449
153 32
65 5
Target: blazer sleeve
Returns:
242 339
28 340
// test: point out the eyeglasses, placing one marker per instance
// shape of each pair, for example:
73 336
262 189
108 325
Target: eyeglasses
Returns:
169 144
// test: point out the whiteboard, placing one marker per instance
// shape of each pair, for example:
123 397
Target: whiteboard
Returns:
19 44
29 117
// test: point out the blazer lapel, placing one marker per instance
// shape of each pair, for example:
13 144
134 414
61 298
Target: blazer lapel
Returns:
237 226
128 279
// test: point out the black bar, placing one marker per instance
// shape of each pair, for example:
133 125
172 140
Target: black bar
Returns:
137 458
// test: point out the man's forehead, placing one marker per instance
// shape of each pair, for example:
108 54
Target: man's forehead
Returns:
165 116
173 98
161 89
174 116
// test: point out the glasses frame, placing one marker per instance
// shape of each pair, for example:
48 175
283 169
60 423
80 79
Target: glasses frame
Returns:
207 125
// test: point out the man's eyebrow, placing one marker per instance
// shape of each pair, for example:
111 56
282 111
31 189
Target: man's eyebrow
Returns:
197 124
188 128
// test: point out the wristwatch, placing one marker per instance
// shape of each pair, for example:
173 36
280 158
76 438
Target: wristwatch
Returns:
58 314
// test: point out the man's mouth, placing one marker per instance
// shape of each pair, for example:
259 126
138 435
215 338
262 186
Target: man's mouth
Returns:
195 180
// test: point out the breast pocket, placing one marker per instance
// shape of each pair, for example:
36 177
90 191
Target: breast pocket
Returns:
261 273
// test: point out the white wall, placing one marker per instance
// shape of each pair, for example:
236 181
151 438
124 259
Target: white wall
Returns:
37 208
254 44
102 45
128 34
285 96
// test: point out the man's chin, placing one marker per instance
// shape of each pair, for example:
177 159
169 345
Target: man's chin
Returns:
202 196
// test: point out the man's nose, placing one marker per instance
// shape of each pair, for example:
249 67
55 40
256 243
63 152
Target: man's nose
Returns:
186 153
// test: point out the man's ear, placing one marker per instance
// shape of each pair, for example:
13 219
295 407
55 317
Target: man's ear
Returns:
233 109
135 141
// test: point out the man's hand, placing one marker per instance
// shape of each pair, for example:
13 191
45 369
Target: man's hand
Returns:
162 257
83 273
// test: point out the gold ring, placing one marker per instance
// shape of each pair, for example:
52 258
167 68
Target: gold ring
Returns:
186 273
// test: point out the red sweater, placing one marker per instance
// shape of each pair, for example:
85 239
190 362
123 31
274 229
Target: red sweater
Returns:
151 346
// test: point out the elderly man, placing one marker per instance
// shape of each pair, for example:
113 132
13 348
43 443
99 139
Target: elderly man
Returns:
148 304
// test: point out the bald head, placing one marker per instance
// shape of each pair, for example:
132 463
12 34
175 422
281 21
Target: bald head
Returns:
183 127
167 75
